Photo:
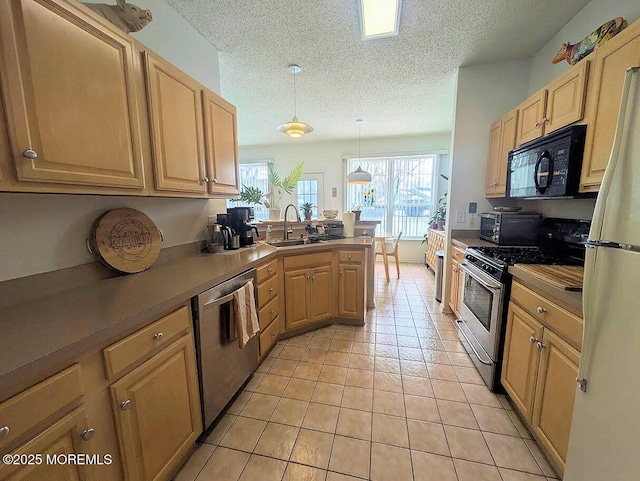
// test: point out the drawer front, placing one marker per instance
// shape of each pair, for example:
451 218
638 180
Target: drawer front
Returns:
119 356
269 336
267 270
27 409
558 319
268 290
269 312
458 254
351 256
307 260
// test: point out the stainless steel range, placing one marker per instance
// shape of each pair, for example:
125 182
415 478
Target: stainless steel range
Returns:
487 285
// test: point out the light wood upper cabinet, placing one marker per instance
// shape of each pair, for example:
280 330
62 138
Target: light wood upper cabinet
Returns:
70 96
221 144
177 132
532 117
61 438
157 411
501 141
520 362
555 395
566 96
610 61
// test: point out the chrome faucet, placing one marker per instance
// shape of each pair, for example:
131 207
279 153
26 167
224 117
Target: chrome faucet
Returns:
284 226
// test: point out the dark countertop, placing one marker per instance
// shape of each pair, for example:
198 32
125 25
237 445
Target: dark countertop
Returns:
54 328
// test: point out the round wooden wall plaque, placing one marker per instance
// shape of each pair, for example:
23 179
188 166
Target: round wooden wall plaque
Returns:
126 240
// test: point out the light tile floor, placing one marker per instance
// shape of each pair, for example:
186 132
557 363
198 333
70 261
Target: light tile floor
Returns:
395 400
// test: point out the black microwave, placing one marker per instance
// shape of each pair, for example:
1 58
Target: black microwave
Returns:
547 167
510 228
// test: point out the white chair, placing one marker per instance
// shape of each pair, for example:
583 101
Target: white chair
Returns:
386 247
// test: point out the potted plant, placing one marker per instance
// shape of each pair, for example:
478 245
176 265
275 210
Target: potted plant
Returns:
307 209
356 209
438 217
271 200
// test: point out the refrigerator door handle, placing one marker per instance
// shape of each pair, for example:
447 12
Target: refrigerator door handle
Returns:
611 245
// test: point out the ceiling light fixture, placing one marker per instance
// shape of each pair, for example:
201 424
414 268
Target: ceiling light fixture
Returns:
379 18
295 128
359 176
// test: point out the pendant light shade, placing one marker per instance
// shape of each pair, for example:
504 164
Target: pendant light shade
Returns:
295 128
359 176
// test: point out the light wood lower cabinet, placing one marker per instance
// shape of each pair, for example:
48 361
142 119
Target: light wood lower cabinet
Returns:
157 412
270 300
456 276
71 100
62 438
351 291
320 290
539 370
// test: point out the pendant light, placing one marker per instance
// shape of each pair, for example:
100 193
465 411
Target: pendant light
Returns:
359 176
295 128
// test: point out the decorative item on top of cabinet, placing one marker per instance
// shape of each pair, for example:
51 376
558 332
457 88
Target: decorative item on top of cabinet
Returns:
502 139
221 135
125 16
557 105
540 366
177 128
573 53
70 95
610 61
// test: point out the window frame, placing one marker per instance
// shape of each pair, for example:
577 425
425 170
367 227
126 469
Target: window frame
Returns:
319 178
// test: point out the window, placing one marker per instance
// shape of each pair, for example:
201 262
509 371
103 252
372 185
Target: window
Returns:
399 195
309 189
254 174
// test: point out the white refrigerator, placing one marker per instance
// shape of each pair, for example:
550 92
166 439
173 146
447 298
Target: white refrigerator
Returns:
605 431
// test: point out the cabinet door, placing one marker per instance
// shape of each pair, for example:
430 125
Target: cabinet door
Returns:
157 411
565 104
530 117
454 287
296 298
177 132
70 96
321 298
520 363
493 159
555 394
351 291
603 102
507 143
63 437
221 144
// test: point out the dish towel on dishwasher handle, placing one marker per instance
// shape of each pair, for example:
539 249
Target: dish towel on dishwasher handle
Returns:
245 313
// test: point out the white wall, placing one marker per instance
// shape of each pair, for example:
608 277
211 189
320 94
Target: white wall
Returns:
326 157
42 232
586 21
172 37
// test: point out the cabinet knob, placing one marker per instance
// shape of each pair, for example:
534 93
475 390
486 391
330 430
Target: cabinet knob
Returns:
494 184
539 345
205 179
158 336
269 270
215 181
30 154
4 432
545 120
271 289
308 277
124 405
271 312
541 310
273 334
313 278
537 124
532 339
340 272
349 257
87 434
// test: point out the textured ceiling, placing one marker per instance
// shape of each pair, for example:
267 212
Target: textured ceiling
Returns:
399 85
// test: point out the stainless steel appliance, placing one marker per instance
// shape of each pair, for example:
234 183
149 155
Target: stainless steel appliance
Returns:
510 228
239 219
548 167
222 366
486 288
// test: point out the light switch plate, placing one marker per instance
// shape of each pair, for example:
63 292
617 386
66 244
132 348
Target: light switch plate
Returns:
460 217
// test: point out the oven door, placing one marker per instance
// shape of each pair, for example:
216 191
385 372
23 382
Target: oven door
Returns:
481 308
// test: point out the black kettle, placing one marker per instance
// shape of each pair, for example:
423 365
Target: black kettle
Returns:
227 236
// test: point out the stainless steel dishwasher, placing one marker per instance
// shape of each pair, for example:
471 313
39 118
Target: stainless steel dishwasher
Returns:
222 366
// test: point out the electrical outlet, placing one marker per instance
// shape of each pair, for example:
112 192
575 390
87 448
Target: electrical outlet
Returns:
460 217
473 207
334 192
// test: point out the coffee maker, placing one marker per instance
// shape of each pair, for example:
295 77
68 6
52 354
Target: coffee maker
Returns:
239 218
